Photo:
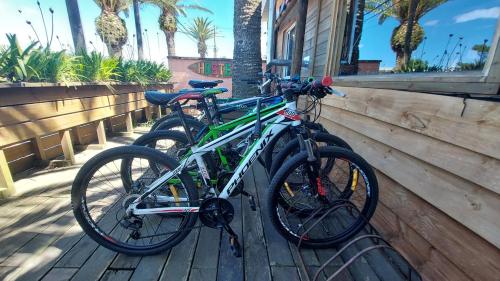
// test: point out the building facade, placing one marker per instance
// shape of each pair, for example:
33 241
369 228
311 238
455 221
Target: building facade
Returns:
429 125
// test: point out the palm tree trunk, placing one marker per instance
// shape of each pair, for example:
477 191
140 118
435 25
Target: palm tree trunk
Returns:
115 51
75 23
202 49
412 7
170 43
300 30
247 61
400 59
358 29
138 30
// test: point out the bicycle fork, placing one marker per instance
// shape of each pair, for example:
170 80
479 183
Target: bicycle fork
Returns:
313 166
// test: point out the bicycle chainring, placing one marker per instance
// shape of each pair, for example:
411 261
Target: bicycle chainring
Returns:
216 212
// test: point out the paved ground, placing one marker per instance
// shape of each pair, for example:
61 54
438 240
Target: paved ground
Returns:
40 240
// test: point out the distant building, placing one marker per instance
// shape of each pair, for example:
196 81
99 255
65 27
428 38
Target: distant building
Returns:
188 68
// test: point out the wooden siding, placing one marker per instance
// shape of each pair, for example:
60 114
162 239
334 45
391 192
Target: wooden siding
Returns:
316 38
437 160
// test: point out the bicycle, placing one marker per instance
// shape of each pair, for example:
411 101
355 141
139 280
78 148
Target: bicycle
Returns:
201 133
144 212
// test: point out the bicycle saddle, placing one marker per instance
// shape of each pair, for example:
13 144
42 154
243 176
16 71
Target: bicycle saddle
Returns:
159 98
204 84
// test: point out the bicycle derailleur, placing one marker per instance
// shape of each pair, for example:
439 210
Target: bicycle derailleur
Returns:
130 221
218 213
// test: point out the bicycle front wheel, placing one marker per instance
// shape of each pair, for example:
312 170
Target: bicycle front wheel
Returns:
324 211
99 199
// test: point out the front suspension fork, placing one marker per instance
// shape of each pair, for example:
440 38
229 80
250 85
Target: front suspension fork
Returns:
313 166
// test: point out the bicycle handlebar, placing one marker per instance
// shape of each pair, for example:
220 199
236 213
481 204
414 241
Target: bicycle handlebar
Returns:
317 88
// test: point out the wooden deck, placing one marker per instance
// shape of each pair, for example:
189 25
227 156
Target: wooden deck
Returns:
40 240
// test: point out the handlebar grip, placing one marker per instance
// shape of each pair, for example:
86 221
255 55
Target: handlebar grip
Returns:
325 82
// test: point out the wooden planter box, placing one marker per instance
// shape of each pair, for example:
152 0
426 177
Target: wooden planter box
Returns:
41 121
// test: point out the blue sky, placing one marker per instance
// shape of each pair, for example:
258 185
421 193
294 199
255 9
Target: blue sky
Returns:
12 22
472 20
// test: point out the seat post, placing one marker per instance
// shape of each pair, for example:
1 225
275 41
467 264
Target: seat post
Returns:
182 117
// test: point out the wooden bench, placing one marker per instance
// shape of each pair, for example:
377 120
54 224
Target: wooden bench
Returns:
40 121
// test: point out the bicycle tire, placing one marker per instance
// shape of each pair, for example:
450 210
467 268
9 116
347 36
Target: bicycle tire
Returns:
329 139
194 125
296 161
271 147
147 140
150 139
90 227
165 118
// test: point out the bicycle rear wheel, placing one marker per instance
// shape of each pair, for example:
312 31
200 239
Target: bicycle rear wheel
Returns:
325 211
99 199
167 117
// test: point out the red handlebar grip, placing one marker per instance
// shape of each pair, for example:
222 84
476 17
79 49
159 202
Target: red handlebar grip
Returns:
327 81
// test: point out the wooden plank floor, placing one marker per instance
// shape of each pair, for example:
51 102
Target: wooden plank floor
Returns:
40 240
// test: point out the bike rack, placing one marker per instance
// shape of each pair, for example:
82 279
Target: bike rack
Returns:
378 243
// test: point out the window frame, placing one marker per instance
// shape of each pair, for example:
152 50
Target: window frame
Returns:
484 82
286 46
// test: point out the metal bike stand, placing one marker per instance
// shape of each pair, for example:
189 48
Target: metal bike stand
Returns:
378 243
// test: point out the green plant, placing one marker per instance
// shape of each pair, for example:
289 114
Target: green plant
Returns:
143 72
108 70
88 66
42 65
162 74
476 65
17 65
201 29
3 62
415 65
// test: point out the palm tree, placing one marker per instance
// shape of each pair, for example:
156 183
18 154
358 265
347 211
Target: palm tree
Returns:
138 29
171 10
399 10
247 61
75 23
110 27
358 29
201 29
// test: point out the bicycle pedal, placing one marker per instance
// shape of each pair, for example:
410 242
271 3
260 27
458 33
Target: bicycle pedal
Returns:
251 201
235 246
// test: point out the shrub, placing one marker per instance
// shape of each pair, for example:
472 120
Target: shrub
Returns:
43 65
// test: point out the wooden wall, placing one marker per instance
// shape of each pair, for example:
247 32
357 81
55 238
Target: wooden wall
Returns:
319 22
437 160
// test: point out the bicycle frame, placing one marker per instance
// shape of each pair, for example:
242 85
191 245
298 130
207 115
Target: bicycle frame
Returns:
275 122
216 131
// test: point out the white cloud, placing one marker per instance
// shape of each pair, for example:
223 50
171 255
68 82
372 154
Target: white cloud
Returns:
431 22
491 13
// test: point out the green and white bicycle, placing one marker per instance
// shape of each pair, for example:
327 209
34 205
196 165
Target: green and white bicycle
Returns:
162 205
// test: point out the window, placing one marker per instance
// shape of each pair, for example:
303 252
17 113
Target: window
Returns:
288 47
450 41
